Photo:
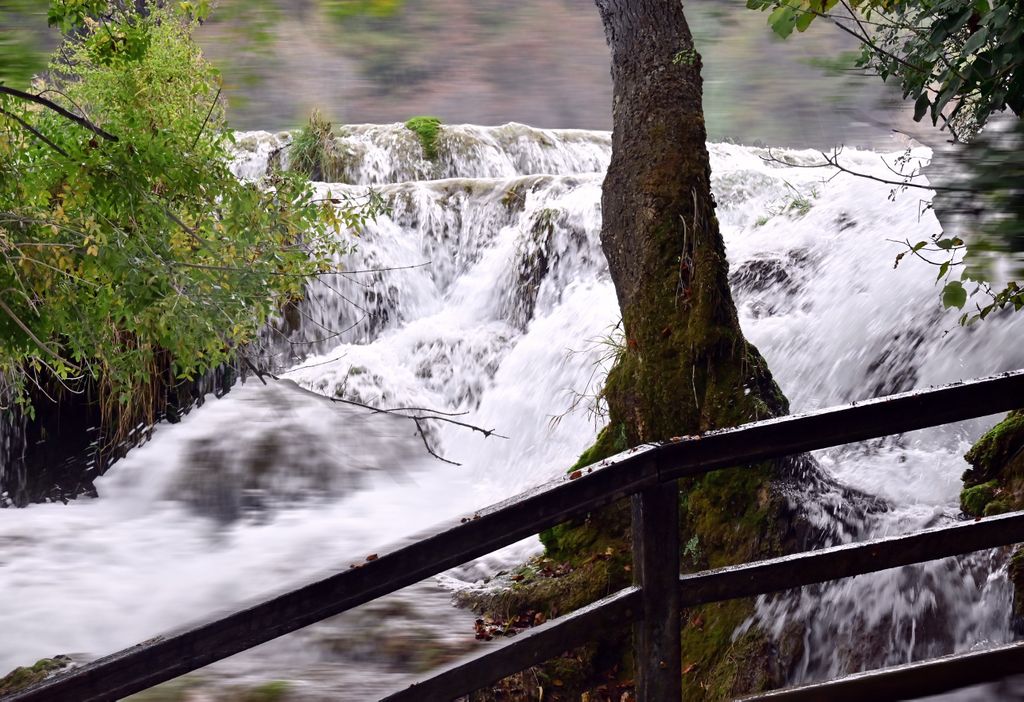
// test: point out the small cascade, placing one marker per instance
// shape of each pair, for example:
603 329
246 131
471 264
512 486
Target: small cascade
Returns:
484 291
373 154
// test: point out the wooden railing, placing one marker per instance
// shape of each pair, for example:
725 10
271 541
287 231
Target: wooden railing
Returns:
648 474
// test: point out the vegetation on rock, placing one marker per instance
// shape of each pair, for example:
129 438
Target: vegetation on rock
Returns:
995 484
316 153
20 678
995 481
427 129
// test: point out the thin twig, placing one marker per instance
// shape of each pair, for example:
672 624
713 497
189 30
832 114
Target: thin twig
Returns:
35 339
833 162
426 444
208 115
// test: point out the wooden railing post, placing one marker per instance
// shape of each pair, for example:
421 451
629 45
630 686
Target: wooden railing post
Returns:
656 573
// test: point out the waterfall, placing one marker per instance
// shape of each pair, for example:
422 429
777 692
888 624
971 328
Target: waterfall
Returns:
484 290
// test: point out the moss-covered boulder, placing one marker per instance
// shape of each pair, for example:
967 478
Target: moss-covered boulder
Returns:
994 484
995 481
21 678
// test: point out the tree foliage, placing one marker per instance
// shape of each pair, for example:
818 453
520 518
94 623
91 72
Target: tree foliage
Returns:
125 240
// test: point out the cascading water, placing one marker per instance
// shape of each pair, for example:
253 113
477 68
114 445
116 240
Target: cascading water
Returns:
484 290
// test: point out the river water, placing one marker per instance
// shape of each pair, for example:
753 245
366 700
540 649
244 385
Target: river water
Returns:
496 302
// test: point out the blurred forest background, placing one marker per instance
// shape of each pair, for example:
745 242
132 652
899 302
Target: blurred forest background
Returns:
541 62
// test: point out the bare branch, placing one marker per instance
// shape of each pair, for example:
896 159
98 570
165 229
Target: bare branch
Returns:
833 162
426 443
208 115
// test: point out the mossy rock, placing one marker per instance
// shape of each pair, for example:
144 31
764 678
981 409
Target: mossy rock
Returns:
1015 572
21 678
532 590
716 667
994 484
973 500
427 129
995 481
998 450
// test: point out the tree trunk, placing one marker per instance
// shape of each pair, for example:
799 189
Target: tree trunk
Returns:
686 367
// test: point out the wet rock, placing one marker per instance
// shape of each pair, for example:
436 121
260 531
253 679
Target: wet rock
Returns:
769 286
895 368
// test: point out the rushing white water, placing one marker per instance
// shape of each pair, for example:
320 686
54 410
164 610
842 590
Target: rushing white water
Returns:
487 293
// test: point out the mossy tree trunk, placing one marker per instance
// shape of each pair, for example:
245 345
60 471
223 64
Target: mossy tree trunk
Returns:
686 367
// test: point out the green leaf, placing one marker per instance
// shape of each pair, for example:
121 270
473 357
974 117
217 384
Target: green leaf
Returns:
803 21
782 20
954 295
975 41
921 107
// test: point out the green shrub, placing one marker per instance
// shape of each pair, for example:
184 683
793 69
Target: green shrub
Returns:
129 242
315 153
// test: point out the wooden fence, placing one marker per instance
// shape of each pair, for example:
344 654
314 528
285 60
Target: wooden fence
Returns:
647 474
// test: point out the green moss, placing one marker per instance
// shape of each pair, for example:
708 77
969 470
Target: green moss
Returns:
998 507
992 453
1015 571
995 481
718 668
20 678
973 500
428 129
994 484
576 540
514 200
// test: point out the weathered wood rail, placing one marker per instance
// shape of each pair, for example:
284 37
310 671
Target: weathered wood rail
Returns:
648 474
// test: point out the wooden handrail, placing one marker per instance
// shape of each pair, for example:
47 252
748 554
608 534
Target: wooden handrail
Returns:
848 560
640 469
910 681
859 421
485 667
